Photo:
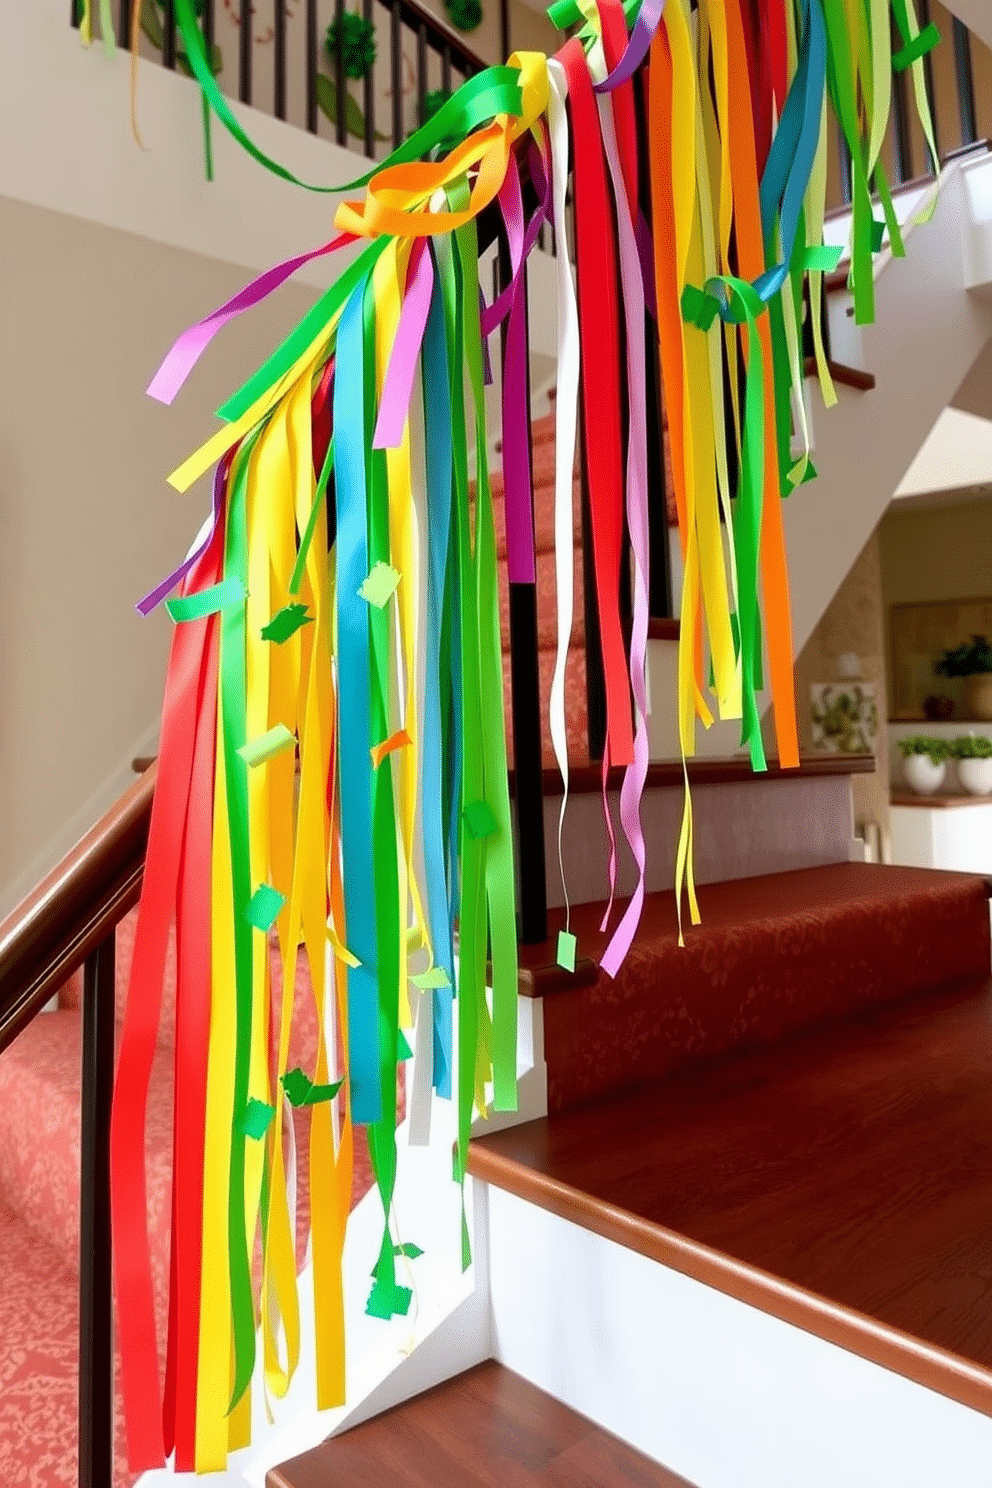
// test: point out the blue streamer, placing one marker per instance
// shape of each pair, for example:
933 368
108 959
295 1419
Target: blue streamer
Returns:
355 685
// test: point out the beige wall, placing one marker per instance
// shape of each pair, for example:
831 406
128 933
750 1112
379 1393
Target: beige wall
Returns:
87 522
936 552
853 621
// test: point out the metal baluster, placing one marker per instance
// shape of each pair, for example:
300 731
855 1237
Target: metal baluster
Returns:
966 82
169 34
900 108
208 31
312 65
124 36
244 52
396 57
75 14
505 49
279 58
446 69
340 81
844 166
525 707
928 85
96 1350
369 98
421 72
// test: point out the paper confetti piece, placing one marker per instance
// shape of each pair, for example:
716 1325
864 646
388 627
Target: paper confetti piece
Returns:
877 234
223 596
409 1250
403 1050
380 585
479 819
922 43
566 950
300 1091
254 1119
433 980
286 622
264 906
395 741
386 1301
257 751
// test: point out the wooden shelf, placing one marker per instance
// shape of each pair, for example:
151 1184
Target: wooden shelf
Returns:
938 802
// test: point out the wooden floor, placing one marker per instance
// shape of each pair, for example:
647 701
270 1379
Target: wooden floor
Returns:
841 1180
488 1428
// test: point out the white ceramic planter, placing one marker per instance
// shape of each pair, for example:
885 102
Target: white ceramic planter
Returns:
922 775
976 776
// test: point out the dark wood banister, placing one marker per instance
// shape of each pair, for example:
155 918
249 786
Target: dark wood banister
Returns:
70 913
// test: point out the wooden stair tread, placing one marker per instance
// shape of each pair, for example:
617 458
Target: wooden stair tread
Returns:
486 1428
841 1180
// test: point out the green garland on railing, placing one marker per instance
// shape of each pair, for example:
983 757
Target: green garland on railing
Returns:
352 38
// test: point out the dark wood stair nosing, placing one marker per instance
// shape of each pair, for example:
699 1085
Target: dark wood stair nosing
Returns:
586 779
926 1364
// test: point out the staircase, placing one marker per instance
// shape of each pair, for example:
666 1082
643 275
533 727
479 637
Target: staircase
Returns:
750 1236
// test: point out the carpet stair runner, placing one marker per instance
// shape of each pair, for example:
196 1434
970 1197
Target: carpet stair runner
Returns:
576 705
39 1216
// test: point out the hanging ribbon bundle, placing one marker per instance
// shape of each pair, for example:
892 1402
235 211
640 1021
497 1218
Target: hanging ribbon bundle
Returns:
332 770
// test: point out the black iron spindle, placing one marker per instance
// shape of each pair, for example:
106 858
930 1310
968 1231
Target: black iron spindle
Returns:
928 85
279 57
900 110
340 80
396 63
446 68
244 52
313 63
369 94
844 166
209 34
75 14
124 32
525 708
169 33
966 82
96 1349
595 677
421 73
505 49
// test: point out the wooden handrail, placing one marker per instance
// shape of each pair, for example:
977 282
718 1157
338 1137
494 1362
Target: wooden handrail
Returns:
440 35
51 932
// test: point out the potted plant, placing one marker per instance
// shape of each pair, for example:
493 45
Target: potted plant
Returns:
973 753
973 661
923 763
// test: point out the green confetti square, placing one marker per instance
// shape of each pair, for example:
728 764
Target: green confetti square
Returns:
286 622
431 981
388 1300
380 585
877 235
254 1119
264 906
566 950
479 819
258 751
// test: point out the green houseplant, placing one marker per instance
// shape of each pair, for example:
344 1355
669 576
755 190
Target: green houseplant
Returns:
973 754
924 763
973 661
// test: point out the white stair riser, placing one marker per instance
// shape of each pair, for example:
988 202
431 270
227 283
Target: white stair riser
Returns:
742 829
717 1390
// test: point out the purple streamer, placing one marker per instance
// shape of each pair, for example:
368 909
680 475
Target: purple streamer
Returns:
518 503
188 349
637 47
154 599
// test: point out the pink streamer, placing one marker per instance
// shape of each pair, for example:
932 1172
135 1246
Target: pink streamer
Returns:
637 521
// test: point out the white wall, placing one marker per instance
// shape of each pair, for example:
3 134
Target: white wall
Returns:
87 522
